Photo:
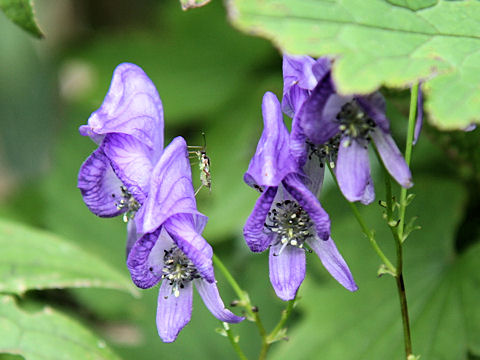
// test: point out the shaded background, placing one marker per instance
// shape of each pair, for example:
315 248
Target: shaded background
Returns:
211 78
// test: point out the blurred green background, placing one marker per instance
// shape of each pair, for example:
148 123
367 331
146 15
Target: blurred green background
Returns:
212 78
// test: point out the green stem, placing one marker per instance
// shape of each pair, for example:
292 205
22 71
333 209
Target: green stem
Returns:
245 303
368 233
283 319
234 341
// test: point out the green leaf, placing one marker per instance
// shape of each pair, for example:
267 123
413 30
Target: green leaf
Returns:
21 13
190 4
413 4
34 259
376 43
46 334
442 290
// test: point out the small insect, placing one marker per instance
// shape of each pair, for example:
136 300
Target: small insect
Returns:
200 152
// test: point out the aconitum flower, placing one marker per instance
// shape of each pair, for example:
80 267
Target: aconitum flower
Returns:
172 251
287 217
339 129
128 128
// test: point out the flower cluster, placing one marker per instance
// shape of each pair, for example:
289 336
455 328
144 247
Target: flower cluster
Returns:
287 169
130 173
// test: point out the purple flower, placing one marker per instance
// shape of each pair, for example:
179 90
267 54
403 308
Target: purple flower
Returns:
287 216
339 128
172 248
128 128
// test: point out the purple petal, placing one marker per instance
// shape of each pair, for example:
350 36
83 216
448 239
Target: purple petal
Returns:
298 142
353 169
272 160
321 67
100 187
369 194
314 174
317 127
173 312
287 270
374 106
132 162
254 231
145 260
419 119
171 189
181 227
333 262
392 158
297 70
309 203
212 300
132 106
132 235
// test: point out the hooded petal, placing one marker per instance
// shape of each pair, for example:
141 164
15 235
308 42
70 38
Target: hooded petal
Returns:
145 260
272 160
374 106
254 231
317 127
132 162
100 187
392 158
211 298
132 106
419 119
173 312
171 189
309 203
298 79
287 270
182 229
353 168
333 262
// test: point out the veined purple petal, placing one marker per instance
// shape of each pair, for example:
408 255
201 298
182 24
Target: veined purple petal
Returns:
100 187
181 227
132 162
255 236
333 262
272 160
419 118
374 106
132 106
317 127
297 70
321 67
314 176
171 189
309 203
287 270
145 260
298 142
132 235
173 312
392 158
369 194
213 301
353 168
293 98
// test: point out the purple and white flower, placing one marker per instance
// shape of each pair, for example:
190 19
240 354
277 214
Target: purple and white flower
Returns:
128 128
287 216
172 251
339 128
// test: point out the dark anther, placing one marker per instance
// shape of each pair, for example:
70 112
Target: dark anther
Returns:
254 309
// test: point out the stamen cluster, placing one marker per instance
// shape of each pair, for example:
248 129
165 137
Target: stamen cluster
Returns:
354 123
326 152
127 202
292 224
178 269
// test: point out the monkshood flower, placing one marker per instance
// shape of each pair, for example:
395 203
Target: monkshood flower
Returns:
128 128
287 216
172 251
339 129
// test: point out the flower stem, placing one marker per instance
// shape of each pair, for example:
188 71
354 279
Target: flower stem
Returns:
234 341
283 319
368 233
246 304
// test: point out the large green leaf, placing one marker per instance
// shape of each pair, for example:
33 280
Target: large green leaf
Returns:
34 259
376 43
442 289
21 13
46 334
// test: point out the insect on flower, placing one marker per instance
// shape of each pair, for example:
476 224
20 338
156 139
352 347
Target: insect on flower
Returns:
203 164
